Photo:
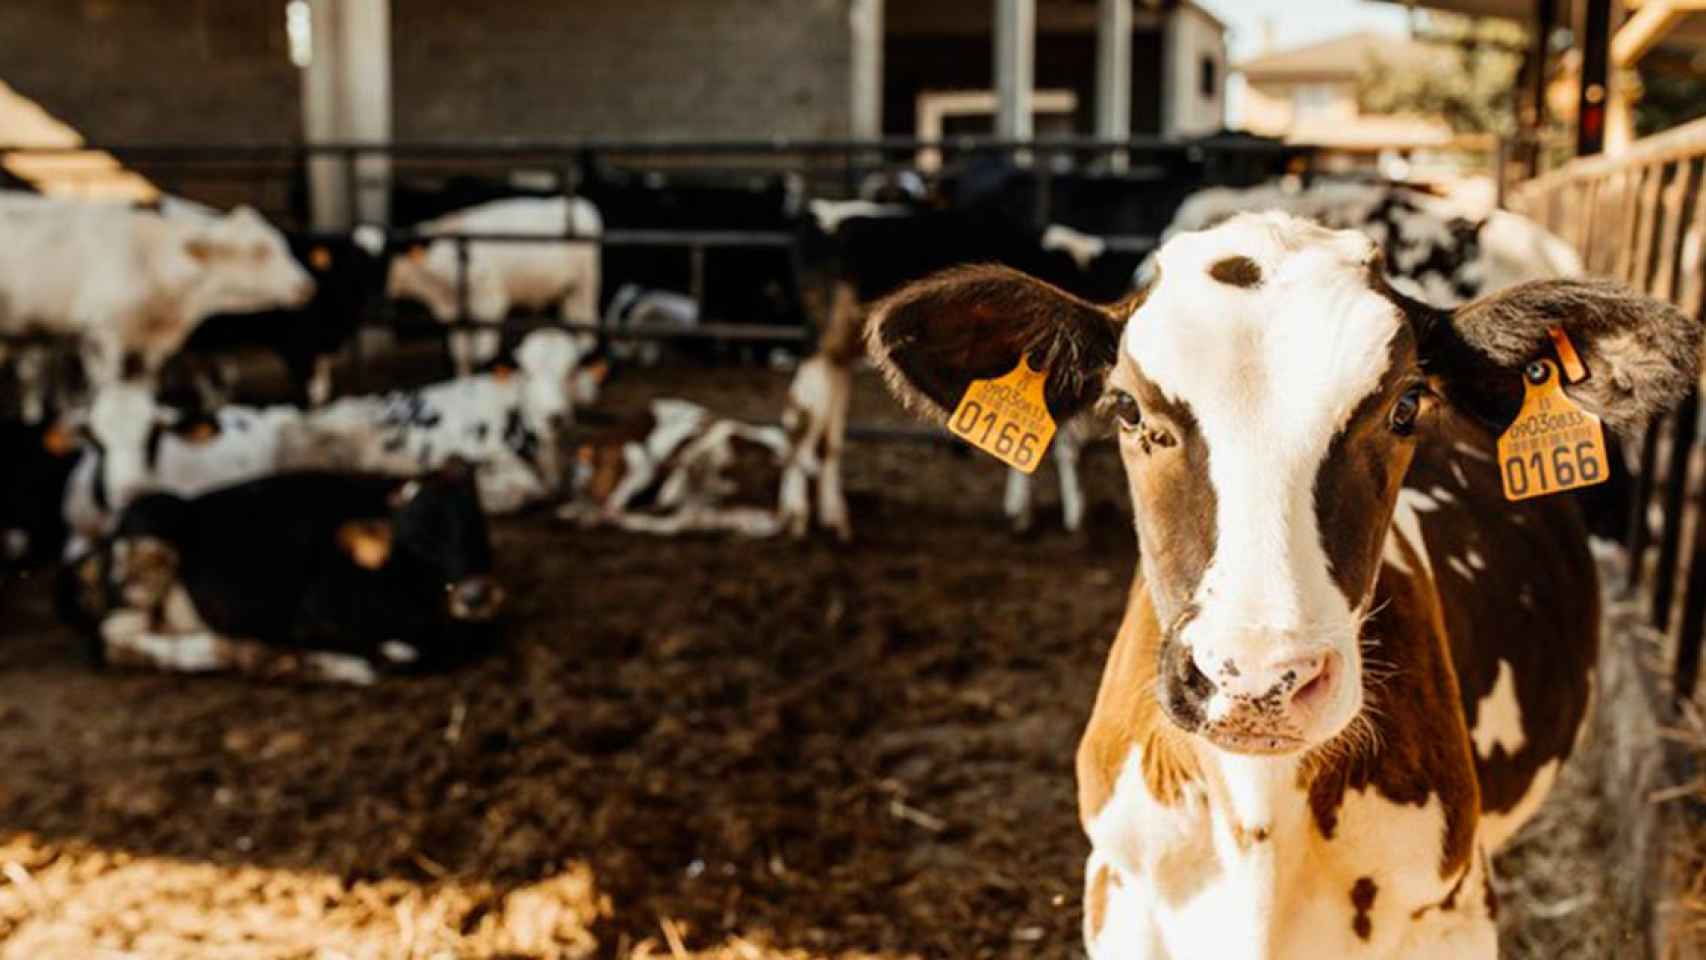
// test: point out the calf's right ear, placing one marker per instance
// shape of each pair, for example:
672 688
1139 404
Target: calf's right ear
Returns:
933 338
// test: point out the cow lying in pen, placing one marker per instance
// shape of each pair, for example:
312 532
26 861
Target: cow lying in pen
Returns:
678 468
1349 669
505 423
312 575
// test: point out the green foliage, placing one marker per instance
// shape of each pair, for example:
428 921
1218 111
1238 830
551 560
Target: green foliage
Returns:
1469 78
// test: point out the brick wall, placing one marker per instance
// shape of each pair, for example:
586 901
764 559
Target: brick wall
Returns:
202 71
620 68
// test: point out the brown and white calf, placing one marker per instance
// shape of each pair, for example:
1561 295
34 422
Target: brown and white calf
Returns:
678 468
1348 669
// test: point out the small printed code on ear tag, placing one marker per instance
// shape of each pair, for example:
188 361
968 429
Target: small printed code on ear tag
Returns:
1553 445
1007 417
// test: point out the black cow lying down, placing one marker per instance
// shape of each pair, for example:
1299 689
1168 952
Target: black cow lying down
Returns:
317 576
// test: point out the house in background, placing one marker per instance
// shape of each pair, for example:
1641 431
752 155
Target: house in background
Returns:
937 64
1308 95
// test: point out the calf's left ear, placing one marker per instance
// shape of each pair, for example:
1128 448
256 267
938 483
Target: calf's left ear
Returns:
933 338
1642 355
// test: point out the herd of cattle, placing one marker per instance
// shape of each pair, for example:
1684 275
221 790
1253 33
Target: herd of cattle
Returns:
151 297
1348 669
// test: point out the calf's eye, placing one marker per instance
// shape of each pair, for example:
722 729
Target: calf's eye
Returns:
1124 406
1406 411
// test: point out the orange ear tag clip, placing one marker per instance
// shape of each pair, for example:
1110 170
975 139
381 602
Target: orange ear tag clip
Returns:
1007 417
1553 445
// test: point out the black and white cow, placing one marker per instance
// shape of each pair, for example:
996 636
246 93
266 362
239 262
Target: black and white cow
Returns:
506 423
322 576
678 468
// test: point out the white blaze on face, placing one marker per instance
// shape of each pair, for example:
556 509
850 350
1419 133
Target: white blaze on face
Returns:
1271 372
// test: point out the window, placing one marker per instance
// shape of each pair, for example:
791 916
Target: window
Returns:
1208 82
1312 100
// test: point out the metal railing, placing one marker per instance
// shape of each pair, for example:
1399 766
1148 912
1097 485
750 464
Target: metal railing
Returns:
1640 217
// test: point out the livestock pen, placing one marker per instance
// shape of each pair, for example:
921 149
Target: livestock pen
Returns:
697 747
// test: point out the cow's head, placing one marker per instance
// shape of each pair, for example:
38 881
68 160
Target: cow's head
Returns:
436 529
414 275
1270 391
557 376
244 265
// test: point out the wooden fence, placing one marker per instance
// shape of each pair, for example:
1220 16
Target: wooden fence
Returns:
1640 217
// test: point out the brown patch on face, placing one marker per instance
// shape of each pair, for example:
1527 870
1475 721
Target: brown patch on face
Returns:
1237 272
608 466
1362 900
366 542
1174 500
1361 475
1096 901
1424 744
1127 715
320 258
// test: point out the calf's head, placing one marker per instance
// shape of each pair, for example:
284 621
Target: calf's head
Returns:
1269 391
436 530
245 265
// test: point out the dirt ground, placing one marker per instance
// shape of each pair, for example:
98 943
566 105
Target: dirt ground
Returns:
692 747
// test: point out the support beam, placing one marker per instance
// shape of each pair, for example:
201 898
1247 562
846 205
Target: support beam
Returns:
346 96
1015 61
1113 75
1648 28
866 19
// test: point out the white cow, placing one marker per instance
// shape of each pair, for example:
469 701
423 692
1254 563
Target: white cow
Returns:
132 284
504 274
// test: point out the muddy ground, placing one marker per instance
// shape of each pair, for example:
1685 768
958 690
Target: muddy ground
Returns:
739 749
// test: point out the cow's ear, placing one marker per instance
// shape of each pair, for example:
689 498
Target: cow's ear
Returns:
1641 355
933 338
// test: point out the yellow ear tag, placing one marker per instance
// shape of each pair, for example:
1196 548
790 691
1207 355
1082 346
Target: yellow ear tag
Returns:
1007 417
1553 445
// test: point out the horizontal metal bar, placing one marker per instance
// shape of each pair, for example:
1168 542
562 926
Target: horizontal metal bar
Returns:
734 332
781 145
610 238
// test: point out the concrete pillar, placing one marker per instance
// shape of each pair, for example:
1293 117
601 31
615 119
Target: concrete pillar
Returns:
346 96
1113 75
866 19
1015 60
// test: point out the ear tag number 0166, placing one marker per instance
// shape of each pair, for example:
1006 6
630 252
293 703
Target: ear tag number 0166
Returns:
1007 417
1553 445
